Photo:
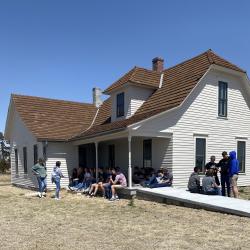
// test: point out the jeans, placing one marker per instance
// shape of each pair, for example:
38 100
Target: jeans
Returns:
225 180
107 188
41 183
152 183
58 187
83 185
214 191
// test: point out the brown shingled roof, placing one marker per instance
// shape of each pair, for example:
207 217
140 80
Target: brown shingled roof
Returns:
53 119
178 82
138 76
63 120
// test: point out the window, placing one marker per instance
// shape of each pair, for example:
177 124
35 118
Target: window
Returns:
241 155
16 160
112 156
35 154
120 105
25 160
147 153
200 154
222 103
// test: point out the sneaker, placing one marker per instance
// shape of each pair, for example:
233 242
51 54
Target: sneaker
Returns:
112 199
40 195
57 199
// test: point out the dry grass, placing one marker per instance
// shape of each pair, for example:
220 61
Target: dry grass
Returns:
76 222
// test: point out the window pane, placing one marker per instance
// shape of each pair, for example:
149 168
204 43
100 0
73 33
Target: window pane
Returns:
35 154
16 160
241 155
120 105
25 160
200 153
222 105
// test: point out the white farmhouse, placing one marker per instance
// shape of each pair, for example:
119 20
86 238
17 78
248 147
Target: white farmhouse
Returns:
176 118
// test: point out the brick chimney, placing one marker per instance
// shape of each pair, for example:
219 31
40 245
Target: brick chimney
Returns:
158 64
97 93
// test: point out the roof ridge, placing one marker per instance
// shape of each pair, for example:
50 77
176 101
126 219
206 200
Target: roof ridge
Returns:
185 61
50 99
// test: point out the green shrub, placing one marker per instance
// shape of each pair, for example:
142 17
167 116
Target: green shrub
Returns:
4 166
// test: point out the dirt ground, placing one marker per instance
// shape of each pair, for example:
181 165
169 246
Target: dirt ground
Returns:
77 222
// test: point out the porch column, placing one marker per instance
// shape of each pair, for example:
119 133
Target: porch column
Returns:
96 160
129 163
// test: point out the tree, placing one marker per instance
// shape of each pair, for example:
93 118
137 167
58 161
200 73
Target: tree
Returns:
4 154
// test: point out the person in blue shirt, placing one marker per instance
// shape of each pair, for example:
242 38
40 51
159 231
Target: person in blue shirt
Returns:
56 176
233 173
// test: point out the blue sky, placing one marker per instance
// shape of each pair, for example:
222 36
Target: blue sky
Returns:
62 49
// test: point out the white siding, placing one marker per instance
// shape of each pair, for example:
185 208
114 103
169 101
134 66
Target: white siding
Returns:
67 154
21 137
199 116
134 97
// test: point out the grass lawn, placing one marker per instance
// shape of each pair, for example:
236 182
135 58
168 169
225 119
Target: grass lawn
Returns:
77 222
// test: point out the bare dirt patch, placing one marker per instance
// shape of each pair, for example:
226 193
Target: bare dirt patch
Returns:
77 222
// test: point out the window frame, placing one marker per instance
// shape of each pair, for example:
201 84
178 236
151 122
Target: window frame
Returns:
16 160
120 107
243 171
25 160
202 168
223 100
35 153
144 153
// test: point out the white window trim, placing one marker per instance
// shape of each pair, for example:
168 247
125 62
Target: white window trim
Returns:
200 136
244 139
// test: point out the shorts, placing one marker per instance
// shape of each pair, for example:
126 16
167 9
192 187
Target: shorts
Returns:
233 180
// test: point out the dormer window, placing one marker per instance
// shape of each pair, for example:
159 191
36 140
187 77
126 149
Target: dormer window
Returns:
222 111
120 105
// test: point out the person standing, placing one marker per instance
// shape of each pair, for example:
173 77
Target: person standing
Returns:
224 173
213 165
233 173
56 176
41 173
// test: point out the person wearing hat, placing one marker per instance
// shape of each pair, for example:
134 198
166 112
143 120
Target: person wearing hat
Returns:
41 173
224 165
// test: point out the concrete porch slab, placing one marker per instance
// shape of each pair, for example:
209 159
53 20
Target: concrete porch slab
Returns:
184 198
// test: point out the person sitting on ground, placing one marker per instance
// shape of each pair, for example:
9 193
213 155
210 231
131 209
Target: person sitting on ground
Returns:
73 179
84 183
163 178
110 178
209 185
194 181
119 182
56 176
138 175
98 185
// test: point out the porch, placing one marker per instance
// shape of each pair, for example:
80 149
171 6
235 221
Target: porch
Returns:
126 151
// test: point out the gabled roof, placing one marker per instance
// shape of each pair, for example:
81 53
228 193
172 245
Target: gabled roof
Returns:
138 76
53 119
178 82
63 120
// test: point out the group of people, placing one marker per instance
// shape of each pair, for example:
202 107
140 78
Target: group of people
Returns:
106 181
149 177
228 167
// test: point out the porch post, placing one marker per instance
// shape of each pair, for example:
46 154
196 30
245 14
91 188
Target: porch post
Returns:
129 163
96 160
